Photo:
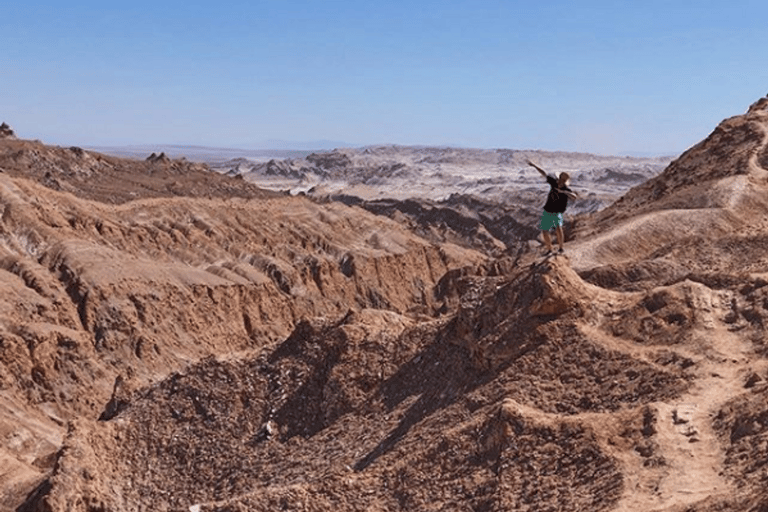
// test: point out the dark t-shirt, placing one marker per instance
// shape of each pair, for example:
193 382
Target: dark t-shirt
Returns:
557 201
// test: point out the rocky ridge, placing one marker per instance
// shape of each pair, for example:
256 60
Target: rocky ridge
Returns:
112 180
629 374
126 279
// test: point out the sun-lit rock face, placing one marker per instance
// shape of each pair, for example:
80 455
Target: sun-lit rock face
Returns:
197 343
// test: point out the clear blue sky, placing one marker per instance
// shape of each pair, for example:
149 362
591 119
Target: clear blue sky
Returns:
600 76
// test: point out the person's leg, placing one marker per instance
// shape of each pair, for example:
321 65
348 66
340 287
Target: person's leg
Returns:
547 240
545 225
560 236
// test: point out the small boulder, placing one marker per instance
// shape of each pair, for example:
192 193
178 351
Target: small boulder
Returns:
752 380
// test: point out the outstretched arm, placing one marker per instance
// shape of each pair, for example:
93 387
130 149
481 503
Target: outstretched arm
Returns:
572 195
541 171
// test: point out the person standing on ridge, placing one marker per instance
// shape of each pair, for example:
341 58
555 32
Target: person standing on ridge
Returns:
557 202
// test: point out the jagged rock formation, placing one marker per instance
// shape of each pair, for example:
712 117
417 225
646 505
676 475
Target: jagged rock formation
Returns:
629 374
95 291
161 158
112 180
6 132
419 173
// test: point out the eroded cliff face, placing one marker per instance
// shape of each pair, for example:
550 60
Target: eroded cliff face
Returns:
296 356
93 291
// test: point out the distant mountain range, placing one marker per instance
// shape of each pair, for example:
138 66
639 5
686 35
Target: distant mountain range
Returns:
201 153
270 149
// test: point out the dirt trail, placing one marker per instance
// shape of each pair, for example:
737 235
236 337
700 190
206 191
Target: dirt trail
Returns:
683 438
686 440
641 236
686 460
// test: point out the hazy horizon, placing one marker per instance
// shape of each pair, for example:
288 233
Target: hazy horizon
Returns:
290 147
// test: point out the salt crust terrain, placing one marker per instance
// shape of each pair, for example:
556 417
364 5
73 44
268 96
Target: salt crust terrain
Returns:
489 199
173 339
408 172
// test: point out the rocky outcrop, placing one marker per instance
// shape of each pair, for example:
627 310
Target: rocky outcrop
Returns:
728 156
6 132
112 180
162 158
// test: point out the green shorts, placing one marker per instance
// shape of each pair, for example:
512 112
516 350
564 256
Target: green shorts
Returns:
551 220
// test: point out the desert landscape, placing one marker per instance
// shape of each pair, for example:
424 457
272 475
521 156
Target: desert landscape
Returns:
376 329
